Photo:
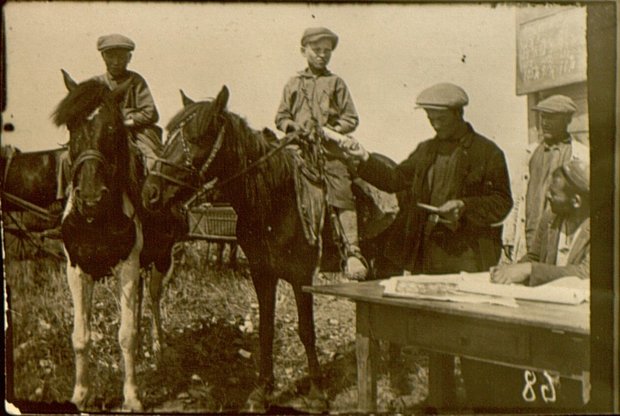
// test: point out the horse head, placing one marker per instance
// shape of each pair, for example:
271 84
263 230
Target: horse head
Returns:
98 144
194 139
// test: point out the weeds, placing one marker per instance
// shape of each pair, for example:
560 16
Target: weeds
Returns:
210 358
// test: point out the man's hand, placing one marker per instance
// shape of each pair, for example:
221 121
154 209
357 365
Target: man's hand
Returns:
451 210
511 273
129 122
348 144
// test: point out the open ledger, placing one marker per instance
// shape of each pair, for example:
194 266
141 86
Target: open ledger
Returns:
478 288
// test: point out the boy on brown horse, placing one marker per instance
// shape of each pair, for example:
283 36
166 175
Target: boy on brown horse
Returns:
317 97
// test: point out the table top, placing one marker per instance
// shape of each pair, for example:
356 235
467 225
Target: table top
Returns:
556 317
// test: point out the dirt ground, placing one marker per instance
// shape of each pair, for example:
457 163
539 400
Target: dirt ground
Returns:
210 360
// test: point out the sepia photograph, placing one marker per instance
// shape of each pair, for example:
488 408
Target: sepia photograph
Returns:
290 208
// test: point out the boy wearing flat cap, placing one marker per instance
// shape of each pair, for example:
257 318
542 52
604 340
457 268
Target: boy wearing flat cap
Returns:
138 106
315 97
556 148
457 191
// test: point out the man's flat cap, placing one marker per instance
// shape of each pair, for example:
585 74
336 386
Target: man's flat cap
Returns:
560 104
577 173
442 96
115 41
313 34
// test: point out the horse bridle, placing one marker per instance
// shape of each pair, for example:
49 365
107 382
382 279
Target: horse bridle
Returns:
188 166
89 154
200 173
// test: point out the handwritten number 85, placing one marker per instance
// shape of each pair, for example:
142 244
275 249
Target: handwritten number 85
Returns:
547 389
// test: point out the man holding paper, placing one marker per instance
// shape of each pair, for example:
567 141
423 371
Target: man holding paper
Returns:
561 247
457 192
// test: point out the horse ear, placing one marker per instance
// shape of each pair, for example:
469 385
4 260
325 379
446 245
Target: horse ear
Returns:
69 82
185 99
222 99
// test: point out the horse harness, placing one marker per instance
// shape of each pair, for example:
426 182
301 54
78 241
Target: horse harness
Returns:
199 173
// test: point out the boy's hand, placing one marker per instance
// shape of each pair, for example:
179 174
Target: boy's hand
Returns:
293 126
129 122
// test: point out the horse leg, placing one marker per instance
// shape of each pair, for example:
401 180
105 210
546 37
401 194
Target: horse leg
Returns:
265 286
155 290
81 286
139 316
129 277
233 255
316 400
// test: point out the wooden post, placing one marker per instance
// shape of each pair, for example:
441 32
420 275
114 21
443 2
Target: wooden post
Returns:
366 351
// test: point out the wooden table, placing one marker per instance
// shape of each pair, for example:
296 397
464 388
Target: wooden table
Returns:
536 335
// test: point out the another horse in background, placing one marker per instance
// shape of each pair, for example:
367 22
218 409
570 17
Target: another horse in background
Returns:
207 142
104 228
29 184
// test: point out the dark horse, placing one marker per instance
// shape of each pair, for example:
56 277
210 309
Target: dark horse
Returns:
28 183
104 228
207 142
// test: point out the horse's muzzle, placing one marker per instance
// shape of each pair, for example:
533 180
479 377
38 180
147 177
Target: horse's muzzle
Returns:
90 205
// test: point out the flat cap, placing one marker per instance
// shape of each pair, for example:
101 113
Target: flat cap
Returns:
560 104
312 34
577 173
115 41
442 96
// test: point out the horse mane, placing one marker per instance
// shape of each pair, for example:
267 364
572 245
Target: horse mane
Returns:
79 103
245 145
263 185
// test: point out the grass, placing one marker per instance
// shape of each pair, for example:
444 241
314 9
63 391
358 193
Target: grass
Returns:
210 361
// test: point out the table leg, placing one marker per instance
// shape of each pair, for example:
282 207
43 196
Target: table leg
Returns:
366 350
441 383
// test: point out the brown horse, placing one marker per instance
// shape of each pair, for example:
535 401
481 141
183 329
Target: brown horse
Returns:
207 142
104 228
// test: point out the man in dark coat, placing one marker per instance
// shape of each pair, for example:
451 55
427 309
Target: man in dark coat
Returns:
457 194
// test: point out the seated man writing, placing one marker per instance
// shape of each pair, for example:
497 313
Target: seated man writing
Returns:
561 247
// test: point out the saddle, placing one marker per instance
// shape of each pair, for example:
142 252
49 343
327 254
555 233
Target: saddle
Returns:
376 209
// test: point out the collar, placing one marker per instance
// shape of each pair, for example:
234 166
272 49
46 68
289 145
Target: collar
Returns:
117 80
307 73
566 140
464 139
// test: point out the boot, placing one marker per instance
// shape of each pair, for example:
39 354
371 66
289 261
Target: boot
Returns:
355 268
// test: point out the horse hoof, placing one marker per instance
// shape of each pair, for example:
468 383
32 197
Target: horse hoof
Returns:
81 398
257 402
132 405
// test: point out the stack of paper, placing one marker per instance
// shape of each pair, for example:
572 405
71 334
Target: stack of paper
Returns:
477 288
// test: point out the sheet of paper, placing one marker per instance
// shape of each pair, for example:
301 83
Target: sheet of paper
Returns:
457 288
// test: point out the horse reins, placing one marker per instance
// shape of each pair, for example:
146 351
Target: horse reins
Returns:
200 173
215 184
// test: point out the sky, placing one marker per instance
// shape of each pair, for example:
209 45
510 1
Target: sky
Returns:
387 54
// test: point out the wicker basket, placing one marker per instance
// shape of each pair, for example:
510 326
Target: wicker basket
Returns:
212 222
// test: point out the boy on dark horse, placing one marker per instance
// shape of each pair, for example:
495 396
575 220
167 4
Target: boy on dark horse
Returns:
137 105
315 97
